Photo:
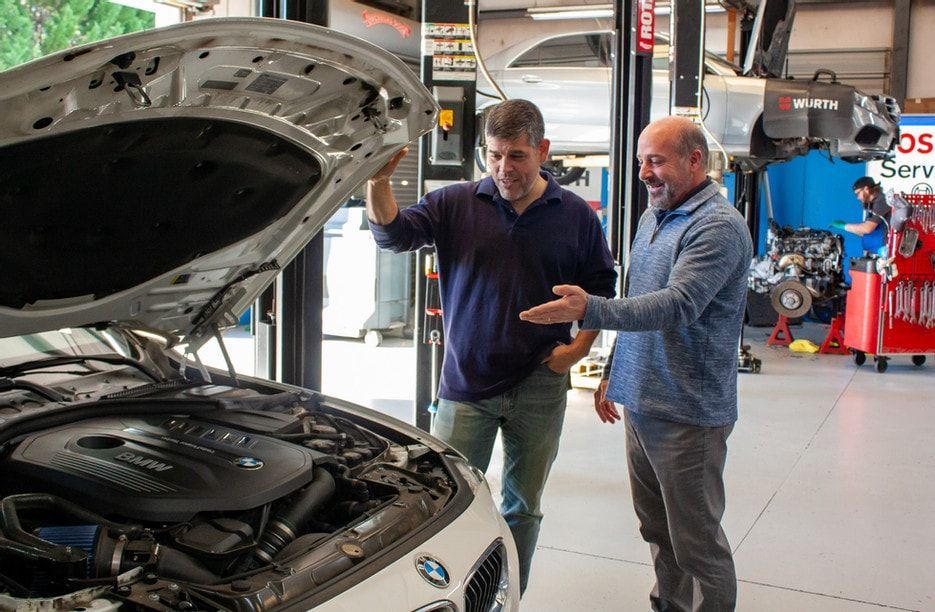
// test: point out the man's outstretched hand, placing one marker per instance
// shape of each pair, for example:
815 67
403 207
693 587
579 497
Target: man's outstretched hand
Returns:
569 307
387 170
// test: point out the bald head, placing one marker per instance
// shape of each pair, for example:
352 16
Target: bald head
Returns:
686 135
673 156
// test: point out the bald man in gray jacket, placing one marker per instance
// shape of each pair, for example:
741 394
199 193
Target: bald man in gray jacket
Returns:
675 364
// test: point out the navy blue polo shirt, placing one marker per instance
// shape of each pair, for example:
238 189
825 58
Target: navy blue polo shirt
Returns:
492 265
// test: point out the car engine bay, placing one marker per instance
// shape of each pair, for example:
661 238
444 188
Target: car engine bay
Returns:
189 496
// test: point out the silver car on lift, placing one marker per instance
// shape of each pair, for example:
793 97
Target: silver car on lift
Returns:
569 77
152 186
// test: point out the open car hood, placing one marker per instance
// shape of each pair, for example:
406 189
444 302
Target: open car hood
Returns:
162 179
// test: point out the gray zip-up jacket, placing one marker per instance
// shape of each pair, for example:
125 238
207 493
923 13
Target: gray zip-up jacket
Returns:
679 324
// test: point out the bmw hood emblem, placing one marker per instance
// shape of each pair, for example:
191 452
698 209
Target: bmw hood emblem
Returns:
248 463
432 570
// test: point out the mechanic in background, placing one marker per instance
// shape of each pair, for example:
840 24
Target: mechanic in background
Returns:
502 244
675 364
873 228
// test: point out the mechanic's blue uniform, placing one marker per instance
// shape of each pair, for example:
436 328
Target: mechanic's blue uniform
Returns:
492 265
674 370
878 210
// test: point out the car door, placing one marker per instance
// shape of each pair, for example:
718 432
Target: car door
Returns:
569 78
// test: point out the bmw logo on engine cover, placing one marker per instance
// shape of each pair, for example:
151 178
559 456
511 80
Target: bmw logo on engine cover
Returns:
248 463
433 571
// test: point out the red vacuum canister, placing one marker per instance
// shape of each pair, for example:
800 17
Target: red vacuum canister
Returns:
862 319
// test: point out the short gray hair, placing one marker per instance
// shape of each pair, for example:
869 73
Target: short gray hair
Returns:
512 118
692 137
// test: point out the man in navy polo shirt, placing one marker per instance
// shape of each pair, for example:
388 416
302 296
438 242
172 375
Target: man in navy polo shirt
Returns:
502 243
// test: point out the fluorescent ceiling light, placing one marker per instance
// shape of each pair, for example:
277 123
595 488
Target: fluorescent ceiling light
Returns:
709 8
584 11
594 11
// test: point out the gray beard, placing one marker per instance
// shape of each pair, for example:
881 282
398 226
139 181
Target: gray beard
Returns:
666 201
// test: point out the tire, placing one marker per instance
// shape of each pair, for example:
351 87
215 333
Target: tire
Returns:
860 358
566 176
918 360
373 338
882 364
563 175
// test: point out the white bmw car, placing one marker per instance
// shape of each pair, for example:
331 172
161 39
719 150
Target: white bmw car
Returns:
758 119
151 187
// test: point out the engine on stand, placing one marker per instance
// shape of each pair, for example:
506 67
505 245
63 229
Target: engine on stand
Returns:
802 269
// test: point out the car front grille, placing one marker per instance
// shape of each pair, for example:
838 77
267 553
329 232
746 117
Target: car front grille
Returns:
488 582
438 606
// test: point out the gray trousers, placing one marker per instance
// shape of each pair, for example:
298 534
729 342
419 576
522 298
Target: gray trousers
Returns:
677 481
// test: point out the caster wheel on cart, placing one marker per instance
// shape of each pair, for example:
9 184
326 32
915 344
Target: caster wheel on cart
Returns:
373 338
882 364
918 360
860 358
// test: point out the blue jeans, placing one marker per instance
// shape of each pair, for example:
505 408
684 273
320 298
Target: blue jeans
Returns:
530 417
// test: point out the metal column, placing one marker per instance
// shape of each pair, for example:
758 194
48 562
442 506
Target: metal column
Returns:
440 160
902 14
686 67
289 342
632 95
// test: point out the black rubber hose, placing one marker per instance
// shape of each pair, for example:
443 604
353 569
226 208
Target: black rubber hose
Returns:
51 553
285 527
179 566
13 504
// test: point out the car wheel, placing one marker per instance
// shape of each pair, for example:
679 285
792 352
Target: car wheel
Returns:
564 175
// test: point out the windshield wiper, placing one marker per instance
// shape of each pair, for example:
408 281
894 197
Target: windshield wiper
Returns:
7 384
49 362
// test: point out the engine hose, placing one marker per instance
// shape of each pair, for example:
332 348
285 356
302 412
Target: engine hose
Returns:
285 526
179 566
12 505
50 553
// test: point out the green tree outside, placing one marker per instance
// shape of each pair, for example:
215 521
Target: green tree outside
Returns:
33 28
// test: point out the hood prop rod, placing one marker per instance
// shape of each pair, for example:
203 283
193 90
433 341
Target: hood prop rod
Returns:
227 358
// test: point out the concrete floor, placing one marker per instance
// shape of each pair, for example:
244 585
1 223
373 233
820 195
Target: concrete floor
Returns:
830 485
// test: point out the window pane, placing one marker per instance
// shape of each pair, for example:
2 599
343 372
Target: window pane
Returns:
530 58
33 28
576 51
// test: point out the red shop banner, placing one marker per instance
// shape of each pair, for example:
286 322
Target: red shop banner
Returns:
645 26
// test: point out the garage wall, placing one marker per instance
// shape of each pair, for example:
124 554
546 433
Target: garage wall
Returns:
922 50
234 8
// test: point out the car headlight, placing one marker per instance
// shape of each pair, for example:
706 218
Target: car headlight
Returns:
869 104
473 476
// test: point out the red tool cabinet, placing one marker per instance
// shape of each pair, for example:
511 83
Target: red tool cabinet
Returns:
896 315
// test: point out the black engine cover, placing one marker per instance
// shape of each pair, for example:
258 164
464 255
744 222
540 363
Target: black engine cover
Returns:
160 469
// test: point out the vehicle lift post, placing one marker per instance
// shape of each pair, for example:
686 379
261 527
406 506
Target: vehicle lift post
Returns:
686 73
446 155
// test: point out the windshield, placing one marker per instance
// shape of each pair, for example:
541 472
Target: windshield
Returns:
61 343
